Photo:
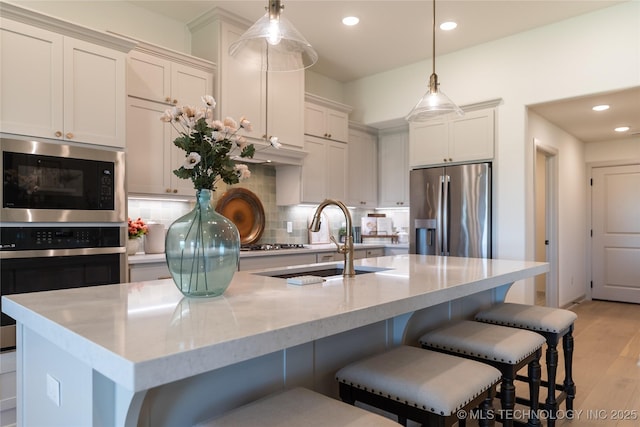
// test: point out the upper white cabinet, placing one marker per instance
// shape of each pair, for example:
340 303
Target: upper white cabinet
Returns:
161 79
362 173
61 81
273 102
322 175
464 139
393 167
326 119
157 79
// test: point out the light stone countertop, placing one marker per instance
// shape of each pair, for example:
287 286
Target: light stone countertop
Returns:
145 334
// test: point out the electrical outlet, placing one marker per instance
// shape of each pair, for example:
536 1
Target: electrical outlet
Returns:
53 390
289 227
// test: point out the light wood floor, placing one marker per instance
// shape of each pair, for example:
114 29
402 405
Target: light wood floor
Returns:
606 365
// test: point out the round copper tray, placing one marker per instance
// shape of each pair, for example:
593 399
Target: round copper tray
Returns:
245 210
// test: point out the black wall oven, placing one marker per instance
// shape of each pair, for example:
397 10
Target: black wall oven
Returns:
62 219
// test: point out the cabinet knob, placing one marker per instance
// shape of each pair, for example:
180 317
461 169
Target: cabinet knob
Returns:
450 159
329 135
444 159
175 102
168 190
58 134
167 99
69 135
175 191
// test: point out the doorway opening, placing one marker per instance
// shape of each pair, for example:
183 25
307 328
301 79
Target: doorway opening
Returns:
546 222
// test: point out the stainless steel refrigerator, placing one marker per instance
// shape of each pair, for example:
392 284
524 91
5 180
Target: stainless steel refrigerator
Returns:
450 211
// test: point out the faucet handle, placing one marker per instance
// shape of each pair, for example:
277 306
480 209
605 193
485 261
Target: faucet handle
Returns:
335 242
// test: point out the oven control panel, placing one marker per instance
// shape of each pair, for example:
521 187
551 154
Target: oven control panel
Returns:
34 238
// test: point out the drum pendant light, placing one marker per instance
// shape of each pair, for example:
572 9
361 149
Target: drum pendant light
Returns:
434 103
274 44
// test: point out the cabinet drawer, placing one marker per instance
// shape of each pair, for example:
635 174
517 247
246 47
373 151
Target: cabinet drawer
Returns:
143 272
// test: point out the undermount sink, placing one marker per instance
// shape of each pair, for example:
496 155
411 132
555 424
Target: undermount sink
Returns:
325 271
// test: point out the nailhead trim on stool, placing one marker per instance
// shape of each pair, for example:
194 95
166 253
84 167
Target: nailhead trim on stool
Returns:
506 349
299 407
553 324
420 385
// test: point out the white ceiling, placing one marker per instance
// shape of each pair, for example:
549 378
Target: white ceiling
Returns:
392 34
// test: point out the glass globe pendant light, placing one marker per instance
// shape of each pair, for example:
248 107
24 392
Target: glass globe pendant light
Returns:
434 103
274 44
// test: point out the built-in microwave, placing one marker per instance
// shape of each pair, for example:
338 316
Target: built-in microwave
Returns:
46 181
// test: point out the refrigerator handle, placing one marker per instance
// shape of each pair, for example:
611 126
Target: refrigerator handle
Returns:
445 180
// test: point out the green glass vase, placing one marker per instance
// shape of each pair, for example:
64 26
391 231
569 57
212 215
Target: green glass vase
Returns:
202 249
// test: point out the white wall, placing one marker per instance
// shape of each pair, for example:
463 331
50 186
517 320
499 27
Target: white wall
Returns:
120 17
572 209
323 86
618 150
592 53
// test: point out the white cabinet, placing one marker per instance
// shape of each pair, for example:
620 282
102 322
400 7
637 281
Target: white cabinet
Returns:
326 119
362 173
8 389
273 102
469 138
271 261
158 79
321 176
62 87
368 253
393 167
149 271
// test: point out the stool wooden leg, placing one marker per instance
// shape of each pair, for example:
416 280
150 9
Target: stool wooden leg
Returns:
552 368
569 385
534 372
507 399
487 417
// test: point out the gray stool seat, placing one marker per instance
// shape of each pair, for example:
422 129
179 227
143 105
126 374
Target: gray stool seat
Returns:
553 324
507 349
299 407
409 377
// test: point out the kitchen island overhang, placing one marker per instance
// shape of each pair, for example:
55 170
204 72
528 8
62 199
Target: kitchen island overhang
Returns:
144 335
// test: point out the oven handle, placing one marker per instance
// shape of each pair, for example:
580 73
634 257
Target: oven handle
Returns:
41 253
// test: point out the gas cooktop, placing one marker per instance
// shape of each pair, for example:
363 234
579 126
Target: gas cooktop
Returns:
271 246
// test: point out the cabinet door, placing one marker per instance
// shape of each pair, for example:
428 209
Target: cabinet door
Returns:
429 143
241 86
337 124
148 77
336 170
314 171
31 83
189 85
393 170
285 113
471 137
314 120
148 143
362 183
94 93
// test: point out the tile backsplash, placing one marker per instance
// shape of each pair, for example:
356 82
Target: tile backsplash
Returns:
263 183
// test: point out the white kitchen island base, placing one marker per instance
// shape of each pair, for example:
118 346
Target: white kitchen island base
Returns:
140 354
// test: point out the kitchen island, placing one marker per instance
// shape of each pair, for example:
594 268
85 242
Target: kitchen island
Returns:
141 354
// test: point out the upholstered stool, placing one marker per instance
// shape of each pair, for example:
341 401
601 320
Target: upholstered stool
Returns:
552 324
506 349
298 407
421 385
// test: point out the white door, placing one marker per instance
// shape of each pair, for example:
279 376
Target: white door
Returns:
616 233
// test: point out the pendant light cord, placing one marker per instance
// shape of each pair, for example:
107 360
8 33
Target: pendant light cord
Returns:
434 37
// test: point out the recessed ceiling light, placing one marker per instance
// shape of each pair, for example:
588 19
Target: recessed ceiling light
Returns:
600 107
350 20
622 129
448 26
